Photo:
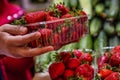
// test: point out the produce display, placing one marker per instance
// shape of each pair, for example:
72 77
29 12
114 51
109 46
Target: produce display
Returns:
58 25
72 65
108 64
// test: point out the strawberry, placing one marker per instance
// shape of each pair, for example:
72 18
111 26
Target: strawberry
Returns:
85 70
45 35
65 56
64 10
115 49
35 17
86 57
82 13
60 78
115 59
56 69
101 60
72 63
103 73
68 74
77 53
67 15
113 76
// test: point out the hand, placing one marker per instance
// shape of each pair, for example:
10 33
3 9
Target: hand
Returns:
12 41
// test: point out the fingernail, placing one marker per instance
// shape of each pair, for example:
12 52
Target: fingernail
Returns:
50 48
23 29
37 34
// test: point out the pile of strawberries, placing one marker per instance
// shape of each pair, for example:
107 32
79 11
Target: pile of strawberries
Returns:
72 65
60 31
109 65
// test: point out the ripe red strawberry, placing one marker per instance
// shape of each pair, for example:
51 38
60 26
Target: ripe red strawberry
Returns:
115 59
102 60
56 70
45 35
85 58
68 74
82 13
67 15
103 73
85 70
115 49
65 56
77 53
113 76
64 10
60 78
72 63
35 17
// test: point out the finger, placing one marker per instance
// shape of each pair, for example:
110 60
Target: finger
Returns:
12 29
28 52
22 39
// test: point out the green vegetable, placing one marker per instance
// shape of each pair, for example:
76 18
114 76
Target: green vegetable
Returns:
94 3
114 8
67 3
109 28
86 42
118 28
87 7
73 4
114 41
95 26
99 9
100 42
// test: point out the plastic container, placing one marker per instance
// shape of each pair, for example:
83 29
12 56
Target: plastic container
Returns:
85 51
104 60
59 32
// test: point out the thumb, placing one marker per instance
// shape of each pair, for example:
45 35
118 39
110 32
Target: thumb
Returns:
13 29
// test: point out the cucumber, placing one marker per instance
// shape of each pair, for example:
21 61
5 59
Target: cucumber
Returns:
117 29
73 4
67 3
70 46
95 26
109 28
100 42
85 42
57 1
113 10
114 41
99 8
87 7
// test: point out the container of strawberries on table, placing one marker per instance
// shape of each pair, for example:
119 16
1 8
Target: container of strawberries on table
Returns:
73 65
58 25
108 63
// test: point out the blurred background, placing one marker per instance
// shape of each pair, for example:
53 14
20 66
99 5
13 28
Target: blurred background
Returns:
104 25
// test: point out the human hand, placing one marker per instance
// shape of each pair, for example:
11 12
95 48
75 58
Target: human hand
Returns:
12 41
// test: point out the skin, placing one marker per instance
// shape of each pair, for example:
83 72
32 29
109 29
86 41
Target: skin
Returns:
13 39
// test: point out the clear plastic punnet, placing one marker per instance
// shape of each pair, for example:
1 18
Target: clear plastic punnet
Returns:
59 32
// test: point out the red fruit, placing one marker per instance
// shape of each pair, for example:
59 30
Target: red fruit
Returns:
115 49
72 63
56 70
103 73
65 56
64 10
60 78
115 59
85 70
68 73
77 53
102 60
45 35
67 15
86 57
83 13
113 76
35 17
